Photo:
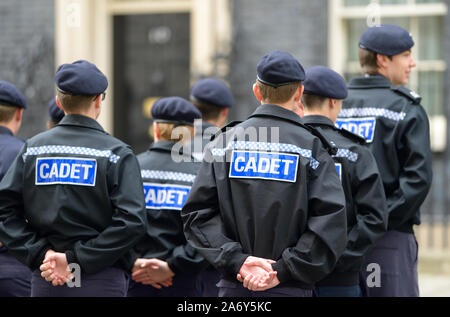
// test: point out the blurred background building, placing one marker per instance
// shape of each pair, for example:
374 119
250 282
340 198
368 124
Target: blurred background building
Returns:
155 48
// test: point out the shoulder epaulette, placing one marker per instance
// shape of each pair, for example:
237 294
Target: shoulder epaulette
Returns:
355 137
224 129
410 94
329 146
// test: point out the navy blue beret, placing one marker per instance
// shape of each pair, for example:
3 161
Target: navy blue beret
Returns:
175 110
386 39
279 68
212 91
325 82
80 78
10 95
56 114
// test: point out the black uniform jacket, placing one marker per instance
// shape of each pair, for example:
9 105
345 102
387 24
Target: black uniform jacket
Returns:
80 191
268 188
9 149
398 133
166 186
364 195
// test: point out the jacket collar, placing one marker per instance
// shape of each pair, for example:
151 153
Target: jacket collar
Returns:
205 125
166 146
80 121
162 146
5 130
276 111
369 81
319 120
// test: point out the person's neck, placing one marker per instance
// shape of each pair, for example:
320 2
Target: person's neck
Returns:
89 114
288 105
213 122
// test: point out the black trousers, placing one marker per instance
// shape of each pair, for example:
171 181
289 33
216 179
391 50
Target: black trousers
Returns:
111 282
15 278
235 289
396 257
184 285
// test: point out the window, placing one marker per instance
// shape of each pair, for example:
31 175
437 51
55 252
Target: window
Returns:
425 20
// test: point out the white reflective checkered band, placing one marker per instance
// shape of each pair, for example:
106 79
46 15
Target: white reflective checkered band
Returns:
164 175
263 146
351 156
64 149
372 112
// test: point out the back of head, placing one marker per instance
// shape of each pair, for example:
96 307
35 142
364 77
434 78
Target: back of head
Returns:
279 75
11 99
55 113
78 83
175 113
211 96
322 83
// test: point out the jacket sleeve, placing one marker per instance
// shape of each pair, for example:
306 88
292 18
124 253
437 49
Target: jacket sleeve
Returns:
203 225
128 222
319 247
371 211
16 234
185 258
416 172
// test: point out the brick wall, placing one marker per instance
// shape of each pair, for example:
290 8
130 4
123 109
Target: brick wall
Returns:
27 56
299 27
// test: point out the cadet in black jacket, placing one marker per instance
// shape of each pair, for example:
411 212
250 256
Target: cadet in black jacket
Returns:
15 278
396 128
267 206
364 193
214 99
80 191
163 254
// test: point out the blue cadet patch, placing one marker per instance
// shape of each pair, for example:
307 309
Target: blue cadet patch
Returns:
66 170
264 165
364 127
165 196
339 170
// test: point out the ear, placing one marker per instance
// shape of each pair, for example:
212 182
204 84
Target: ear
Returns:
98 102
381 60
19 114
58 103
224 112
332 103
299 93
257 92
157 132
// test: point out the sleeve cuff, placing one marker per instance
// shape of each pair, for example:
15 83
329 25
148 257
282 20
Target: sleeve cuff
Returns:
173 266
283 273
71 258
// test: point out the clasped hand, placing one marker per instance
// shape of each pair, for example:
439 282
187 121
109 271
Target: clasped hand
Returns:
257 274
55 268
154 272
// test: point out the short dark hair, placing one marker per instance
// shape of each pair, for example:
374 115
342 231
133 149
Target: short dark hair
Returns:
368 61
72 103
311 101
209 111
279 94
7 113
